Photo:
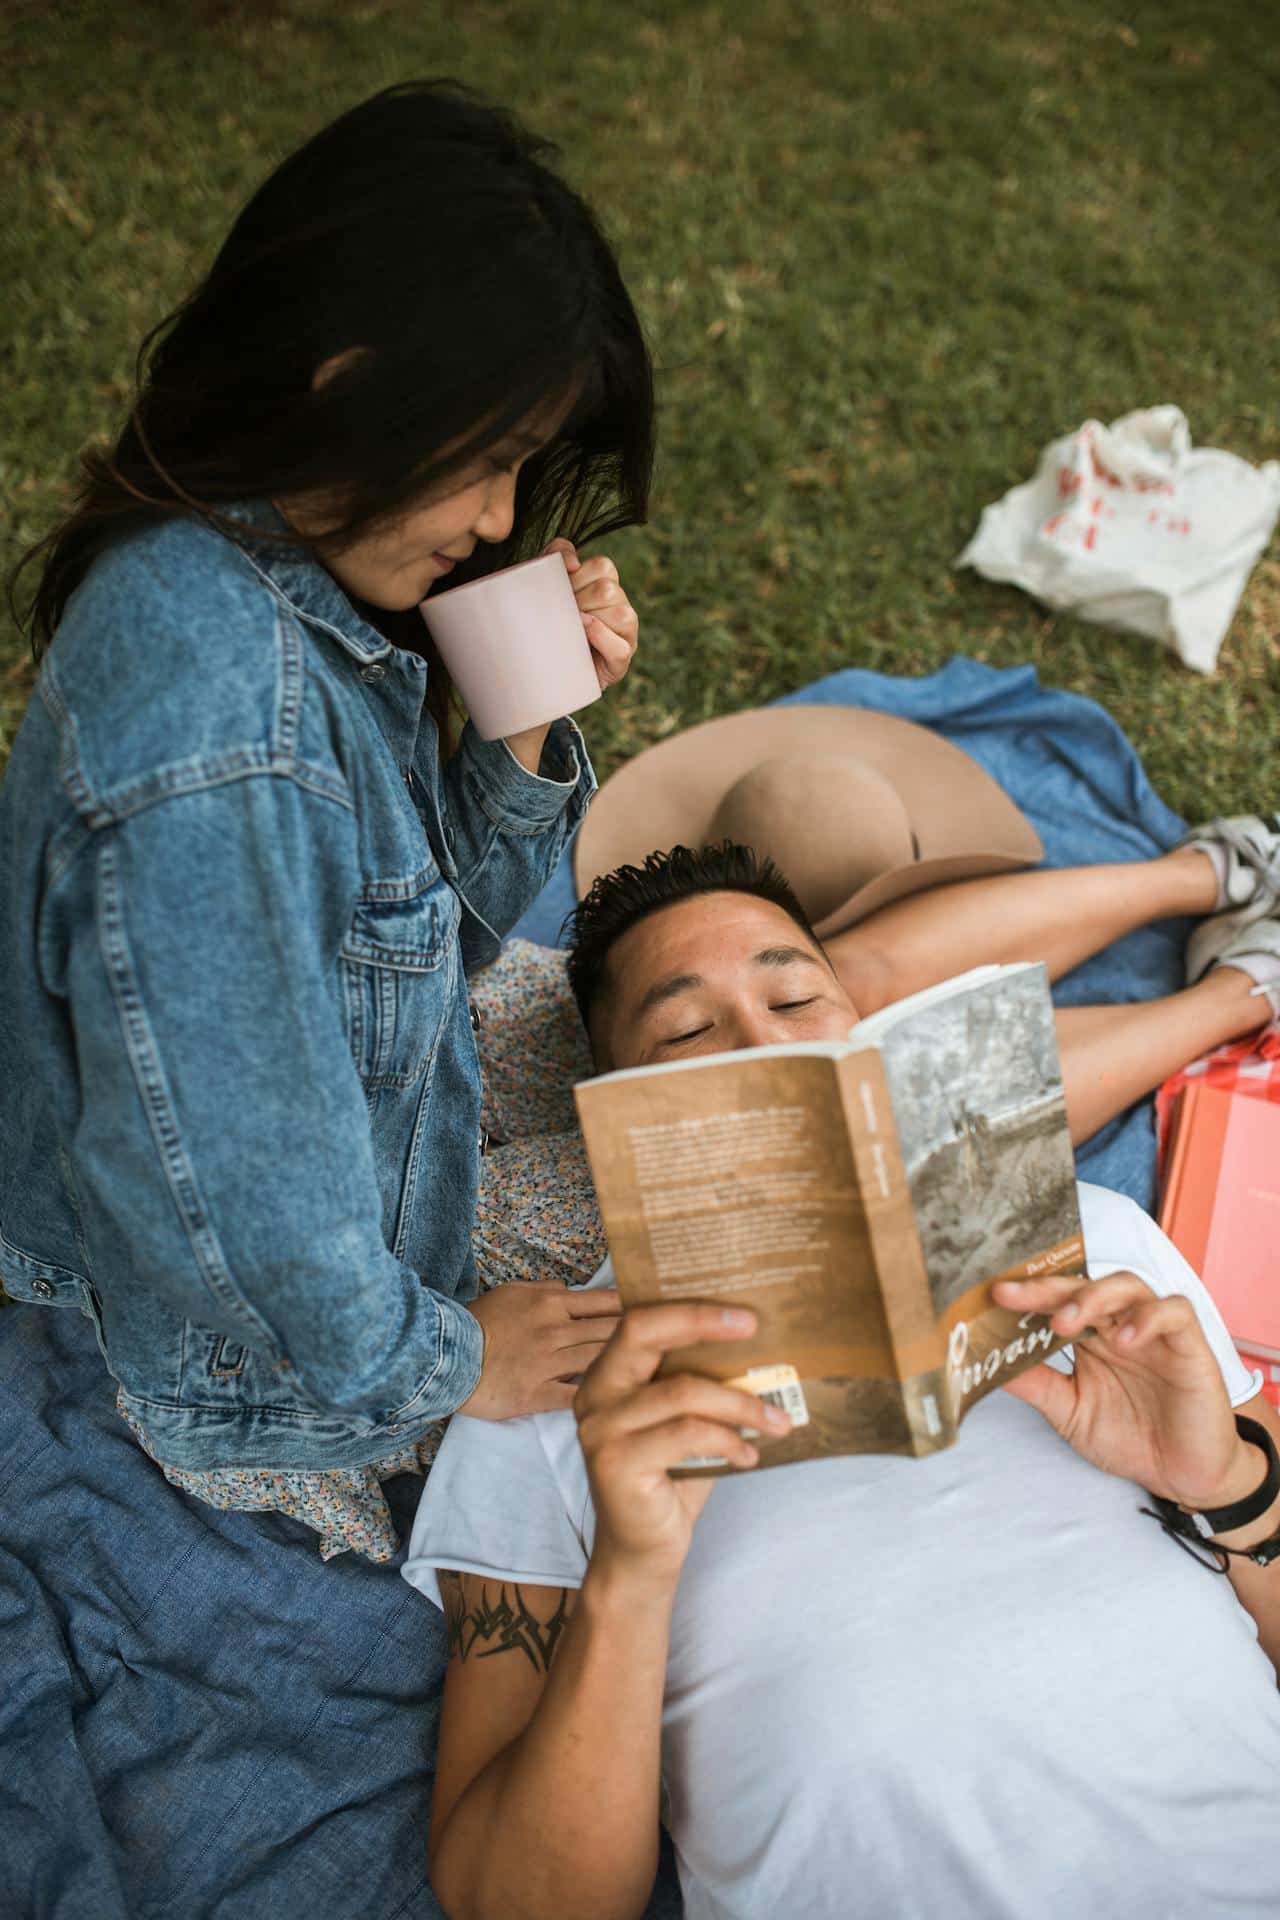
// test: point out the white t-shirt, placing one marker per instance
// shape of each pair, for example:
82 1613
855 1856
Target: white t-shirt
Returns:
980 1686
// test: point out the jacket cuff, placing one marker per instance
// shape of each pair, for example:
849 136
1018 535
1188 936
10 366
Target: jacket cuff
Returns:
455 1376
524 802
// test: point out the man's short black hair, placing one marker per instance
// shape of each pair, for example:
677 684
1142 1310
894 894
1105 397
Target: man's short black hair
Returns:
618 900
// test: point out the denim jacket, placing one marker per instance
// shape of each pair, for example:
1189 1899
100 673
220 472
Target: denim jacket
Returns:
239 1090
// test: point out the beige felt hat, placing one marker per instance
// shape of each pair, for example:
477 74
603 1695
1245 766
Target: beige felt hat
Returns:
857 808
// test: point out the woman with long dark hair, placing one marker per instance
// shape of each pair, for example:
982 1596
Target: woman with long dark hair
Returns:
244 863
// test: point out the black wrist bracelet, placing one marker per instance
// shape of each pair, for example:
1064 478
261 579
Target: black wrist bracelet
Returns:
1194 1532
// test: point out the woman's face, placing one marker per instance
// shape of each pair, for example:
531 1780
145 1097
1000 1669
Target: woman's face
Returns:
393 567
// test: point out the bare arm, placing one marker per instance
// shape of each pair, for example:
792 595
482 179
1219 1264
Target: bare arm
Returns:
546 1797
547 1782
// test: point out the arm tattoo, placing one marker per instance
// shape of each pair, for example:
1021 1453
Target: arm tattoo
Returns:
501 1625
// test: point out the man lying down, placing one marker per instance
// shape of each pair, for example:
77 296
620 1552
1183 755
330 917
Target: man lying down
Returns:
982 1684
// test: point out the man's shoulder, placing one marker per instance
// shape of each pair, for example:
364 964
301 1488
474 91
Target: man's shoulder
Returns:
174 664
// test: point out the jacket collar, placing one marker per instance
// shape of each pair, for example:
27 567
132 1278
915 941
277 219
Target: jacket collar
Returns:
304 586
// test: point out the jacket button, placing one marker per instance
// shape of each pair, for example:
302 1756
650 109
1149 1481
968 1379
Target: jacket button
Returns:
43 1289
474 1011
484 1141
374 671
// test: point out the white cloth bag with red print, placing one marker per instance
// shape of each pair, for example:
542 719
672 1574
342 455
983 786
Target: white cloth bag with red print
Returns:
1129 526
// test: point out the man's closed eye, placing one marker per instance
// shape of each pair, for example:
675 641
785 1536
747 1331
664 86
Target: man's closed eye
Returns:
678 1039
697 1033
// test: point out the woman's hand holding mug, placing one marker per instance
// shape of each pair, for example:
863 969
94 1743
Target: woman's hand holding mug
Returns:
533 642
612 628
612 623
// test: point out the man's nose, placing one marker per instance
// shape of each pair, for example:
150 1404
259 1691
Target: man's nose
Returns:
758 1027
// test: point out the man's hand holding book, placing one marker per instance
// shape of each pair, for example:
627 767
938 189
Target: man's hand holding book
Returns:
634 1427
1145 1399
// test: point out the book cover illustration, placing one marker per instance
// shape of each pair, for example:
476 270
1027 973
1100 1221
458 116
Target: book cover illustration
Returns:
981 1121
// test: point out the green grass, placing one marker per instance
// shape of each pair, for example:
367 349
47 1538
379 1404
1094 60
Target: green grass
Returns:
885 250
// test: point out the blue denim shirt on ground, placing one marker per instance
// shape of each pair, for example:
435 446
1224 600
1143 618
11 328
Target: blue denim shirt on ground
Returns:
239 1091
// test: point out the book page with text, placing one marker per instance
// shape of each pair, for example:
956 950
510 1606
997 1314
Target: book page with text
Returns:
736 1184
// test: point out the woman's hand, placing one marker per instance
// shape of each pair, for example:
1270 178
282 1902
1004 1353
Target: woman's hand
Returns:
633 1427
613 627
539 1339
1146 1401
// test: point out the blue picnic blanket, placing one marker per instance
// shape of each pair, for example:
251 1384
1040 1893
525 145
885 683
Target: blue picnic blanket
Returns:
198 1715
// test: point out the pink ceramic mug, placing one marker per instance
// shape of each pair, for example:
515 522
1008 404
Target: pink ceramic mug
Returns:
515 646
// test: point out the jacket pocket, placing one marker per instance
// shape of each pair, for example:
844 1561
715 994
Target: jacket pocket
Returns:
397 975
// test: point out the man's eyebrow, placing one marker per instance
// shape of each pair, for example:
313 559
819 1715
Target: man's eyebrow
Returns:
667 989
784 957
663 990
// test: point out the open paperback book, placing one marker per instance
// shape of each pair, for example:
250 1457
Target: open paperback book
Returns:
860 1196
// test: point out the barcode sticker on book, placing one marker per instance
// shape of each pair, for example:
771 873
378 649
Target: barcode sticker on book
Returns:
780 1386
